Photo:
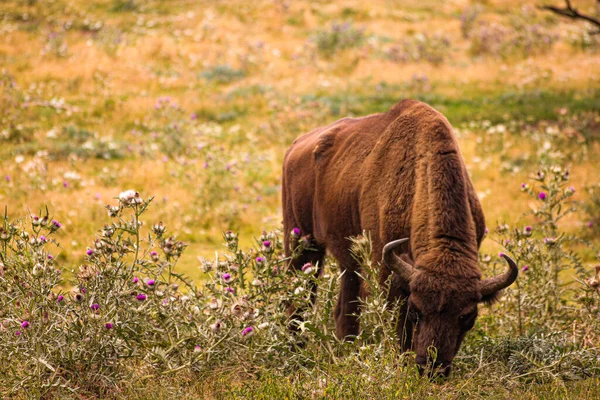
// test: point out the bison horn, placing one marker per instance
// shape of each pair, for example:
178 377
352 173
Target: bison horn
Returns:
403 269
491 286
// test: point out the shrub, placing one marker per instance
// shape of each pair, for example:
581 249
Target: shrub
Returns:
340 36
421 47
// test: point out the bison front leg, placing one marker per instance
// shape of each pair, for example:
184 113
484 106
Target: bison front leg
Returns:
347 308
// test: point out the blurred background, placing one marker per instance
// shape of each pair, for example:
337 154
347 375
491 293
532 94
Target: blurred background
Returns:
195 102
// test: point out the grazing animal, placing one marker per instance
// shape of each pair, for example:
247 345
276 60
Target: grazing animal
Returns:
398 175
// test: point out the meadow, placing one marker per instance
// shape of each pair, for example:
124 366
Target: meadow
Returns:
175 291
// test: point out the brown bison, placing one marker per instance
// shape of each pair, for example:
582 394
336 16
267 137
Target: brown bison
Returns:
400 176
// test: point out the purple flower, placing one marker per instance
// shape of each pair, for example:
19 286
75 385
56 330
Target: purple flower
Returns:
50 257
82 290
18 333
267 243
523 185
150 282
95 306
542 196
108 325
60 298
194 116
590 224
56 224
248 331
66 184
230 290
89 252
25 324
135 279
7 178
486 231
528 228
260 260
43 239
525 268
197 348
141 297
226 277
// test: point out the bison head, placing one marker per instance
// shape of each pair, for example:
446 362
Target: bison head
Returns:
440 309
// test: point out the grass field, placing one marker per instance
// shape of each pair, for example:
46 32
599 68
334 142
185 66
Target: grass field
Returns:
195 102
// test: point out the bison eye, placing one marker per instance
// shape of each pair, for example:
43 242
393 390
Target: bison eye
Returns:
413 314
467 320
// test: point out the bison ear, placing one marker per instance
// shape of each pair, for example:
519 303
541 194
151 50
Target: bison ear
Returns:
396 264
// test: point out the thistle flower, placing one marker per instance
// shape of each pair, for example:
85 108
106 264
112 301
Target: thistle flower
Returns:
525 268
130 198
226 277
260 260
229 290
159 229
55 225
229 235
25 324
542 196
150 282
590 224
141 297
296 232
307 268
35 220
197 348
267 248
154 256
95 306
18 333
113 211
570 190
60 298
524 186
89 252
108 325
216 327
135 279
527 231
248 331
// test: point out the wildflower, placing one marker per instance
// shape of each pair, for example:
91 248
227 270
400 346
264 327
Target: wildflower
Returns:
267 246
89 252
216 327
542 196
525 268
236 310
25 324
524 186
590 224
260 260
130 198
193 117
18 333
570 190
307 268
95 306
296 232
50 257
60 298
527 231
159 229
55 225
135 279
113 211
108 325
79 297
226 277
229 235
229 290
150 282
197 348
248 331
154 256
141 297
35 220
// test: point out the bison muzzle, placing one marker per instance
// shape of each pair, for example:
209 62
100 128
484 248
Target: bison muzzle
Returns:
398 175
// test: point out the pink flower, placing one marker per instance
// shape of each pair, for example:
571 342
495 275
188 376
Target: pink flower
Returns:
248 331
141 297
25 324
226 277
542 196
135 279
525 268
95 306
150 282
108 325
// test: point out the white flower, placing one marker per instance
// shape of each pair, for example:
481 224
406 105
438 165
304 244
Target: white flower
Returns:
130 197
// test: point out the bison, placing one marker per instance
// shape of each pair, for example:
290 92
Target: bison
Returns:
398 175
